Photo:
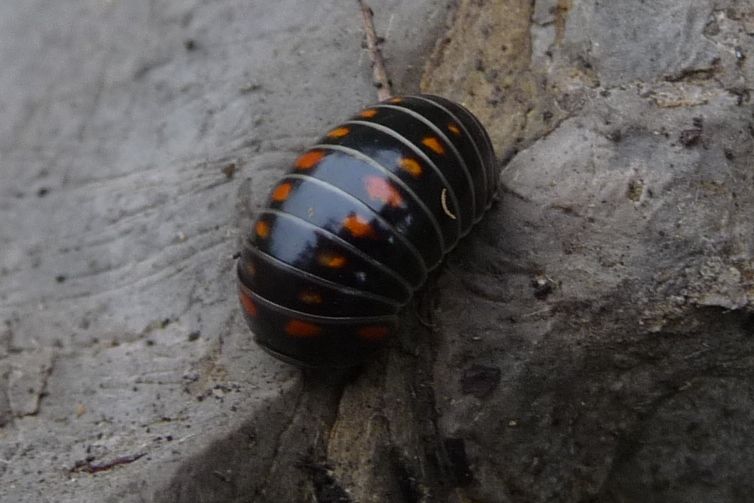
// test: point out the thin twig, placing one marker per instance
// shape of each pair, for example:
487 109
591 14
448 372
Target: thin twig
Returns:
379 73
89 466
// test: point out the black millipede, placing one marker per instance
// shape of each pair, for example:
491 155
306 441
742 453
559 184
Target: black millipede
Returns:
352 230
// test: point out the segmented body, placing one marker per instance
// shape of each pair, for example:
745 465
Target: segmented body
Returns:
353 229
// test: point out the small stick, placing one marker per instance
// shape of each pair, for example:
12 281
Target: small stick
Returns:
89 466
379 73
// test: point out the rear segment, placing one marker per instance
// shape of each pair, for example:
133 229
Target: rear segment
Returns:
313 341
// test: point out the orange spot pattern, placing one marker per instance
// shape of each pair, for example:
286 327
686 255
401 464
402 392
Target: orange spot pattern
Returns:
262 228
248 305
368 113
454 129
281 192
396 100
373 332
380 189
433 144
309 159
411 166
339 132
310 297
251 269
359 226
298 328
332 260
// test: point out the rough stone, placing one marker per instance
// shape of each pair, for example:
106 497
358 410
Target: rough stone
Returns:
590 341
633 202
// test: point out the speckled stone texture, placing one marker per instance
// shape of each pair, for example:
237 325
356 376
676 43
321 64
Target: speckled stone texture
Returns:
591 341
612 288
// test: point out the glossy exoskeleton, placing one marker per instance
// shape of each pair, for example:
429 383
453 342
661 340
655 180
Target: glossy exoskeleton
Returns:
352 230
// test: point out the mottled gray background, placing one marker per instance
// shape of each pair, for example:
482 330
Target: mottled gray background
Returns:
591 341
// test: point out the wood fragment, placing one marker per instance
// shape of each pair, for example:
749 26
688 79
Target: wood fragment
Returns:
89 466
379 72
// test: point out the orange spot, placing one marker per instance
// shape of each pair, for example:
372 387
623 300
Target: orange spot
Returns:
411 166
309 159
281 192
330 259
382 190
248 305
339 132
251 268
298 328
433 144
368 113
310 297
396 100
454 129
359 226
262 228
373 333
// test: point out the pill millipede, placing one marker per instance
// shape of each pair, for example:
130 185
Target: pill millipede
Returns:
352 230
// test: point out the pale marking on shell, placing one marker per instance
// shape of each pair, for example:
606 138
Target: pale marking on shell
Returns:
444 202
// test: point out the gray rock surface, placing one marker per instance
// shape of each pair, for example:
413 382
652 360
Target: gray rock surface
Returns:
134 137
592 339
610 294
